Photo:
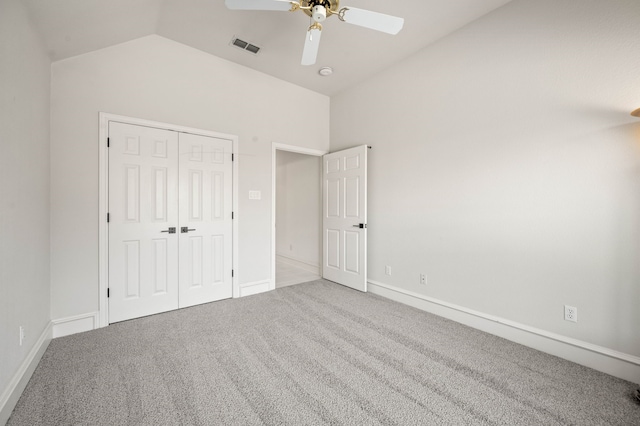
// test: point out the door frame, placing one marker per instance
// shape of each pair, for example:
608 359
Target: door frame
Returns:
103 201
290 148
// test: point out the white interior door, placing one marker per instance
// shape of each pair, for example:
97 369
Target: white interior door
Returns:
143 207
344 223
205 219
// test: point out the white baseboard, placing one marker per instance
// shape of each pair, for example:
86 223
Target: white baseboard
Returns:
249 289
599 358
11 394
309 267
76 324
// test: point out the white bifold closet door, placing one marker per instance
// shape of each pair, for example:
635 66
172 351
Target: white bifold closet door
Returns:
170 228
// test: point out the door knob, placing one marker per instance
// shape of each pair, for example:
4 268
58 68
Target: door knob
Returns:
186 229
360 225
171 230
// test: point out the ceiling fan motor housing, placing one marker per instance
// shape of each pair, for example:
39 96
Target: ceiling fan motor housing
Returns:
319 8
319 13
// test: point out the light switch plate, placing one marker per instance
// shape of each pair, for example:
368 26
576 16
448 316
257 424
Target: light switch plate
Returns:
255 195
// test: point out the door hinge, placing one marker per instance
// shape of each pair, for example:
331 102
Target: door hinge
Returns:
108 217
233 157
232 273
108 142
107 292
231 215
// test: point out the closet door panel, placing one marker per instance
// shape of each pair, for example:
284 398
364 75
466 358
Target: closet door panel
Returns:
143 205
205 219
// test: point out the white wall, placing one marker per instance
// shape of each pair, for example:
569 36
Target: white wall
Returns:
298 207
24 188
505 166
161 80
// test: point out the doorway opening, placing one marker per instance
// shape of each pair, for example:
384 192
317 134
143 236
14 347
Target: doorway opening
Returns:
297 215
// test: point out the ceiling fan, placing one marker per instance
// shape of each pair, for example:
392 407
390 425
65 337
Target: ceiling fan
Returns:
319 10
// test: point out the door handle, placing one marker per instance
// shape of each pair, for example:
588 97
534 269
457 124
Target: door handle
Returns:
360 225
171 230
186 229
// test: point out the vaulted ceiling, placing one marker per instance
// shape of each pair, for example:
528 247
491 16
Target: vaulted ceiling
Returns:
74 27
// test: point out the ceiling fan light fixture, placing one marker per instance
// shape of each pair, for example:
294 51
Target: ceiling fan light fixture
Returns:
325 71
319 13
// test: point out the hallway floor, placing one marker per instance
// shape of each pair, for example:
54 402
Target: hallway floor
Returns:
287 274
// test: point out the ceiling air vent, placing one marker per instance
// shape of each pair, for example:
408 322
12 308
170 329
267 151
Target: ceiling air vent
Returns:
244 45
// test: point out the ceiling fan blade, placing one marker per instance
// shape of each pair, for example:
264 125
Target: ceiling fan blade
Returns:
311 45
277 5
374 20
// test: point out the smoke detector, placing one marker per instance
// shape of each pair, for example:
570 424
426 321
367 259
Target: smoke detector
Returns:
325 71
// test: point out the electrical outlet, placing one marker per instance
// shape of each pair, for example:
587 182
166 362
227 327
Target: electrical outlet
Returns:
423 279
21 335
387 270
570 313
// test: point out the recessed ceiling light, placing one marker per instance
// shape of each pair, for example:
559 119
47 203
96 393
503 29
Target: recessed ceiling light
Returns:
325 71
